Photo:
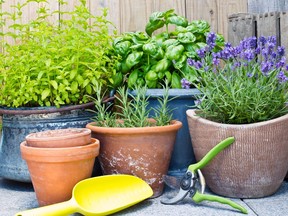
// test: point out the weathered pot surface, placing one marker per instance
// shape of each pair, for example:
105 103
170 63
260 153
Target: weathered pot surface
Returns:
253 166
19 122
143 152
68 137
55 171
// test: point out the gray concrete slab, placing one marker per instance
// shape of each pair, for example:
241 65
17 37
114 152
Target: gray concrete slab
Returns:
17 196
274 205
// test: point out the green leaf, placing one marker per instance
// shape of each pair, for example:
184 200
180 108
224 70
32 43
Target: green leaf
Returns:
88 89
40 74
176 80
54 84
177 20
85 83
45 94
73 73
187 37
74 87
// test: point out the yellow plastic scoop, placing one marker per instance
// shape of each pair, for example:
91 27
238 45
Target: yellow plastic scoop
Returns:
102 195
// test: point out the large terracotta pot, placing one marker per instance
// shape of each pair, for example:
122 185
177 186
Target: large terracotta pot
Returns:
253 166
55 171
143 152
60 138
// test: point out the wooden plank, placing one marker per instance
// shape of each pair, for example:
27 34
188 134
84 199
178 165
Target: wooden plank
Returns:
6 7
203 10
178 5
113 10
68 7
226 8
240 26
216 12
164 5
263 6
134 14
268 25
284 31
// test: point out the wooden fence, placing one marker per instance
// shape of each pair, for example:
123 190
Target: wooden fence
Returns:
264 24
235 19
132 15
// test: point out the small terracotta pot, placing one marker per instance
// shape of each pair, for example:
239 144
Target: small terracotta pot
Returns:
143 152
253 166
60 138
55 171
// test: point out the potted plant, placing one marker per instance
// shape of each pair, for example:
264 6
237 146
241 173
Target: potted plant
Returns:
244 91
46 69
131 142
151 57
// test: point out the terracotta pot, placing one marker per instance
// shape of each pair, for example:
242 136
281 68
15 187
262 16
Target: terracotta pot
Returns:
143 152
59 138
55 171
253 166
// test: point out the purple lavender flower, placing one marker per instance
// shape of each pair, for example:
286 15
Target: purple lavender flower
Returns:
282 77
265 67
281 63
225 54
190 62
262 41
252 42
216 61
228 44
201 53
248 55
281 50
198 102
272 40
237 64
249 75
211 40
198 64
185 83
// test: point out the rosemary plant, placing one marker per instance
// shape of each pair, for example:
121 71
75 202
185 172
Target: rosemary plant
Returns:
133 110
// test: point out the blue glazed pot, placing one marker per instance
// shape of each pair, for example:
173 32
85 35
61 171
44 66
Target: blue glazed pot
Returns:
17 123
183 154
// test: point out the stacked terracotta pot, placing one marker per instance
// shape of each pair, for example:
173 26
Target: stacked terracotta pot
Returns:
57 160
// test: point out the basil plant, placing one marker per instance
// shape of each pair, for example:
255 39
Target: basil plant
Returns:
149 58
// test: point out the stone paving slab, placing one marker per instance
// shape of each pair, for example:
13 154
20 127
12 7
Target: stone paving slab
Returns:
17 196
275 205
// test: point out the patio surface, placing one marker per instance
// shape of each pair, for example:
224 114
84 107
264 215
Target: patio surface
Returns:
18 196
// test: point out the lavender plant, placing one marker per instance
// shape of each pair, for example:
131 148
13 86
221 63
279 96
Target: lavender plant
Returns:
242 84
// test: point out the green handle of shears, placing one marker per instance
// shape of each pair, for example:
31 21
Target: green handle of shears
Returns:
211 154
198 197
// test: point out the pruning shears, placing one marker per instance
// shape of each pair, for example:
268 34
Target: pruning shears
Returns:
193 183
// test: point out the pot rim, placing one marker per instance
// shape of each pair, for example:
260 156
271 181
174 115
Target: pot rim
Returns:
173 126
60 154
42 110
82 132
192 114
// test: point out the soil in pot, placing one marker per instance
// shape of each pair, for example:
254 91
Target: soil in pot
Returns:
60 138
55 171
